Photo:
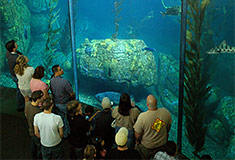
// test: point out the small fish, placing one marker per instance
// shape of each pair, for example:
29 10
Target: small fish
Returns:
25 32
222 48
113 96
149 49
172 11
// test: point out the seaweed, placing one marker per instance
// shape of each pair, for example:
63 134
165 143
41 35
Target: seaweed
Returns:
117 18
196 85
52 38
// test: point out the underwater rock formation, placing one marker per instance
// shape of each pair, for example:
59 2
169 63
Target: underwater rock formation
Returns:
167 74
37 6
169 101
231 149
121 61
15 24
217 133
39 24
222 128
227 110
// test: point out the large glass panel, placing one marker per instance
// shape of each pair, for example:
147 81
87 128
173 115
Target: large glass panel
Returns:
128 46
217 71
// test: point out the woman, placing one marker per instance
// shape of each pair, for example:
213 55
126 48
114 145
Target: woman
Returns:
24 74
78 128
37 84
126 116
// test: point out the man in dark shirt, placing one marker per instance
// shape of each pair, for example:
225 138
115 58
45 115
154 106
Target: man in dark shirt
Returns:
63 92
79 126
122 151
31 109
102 124
11 55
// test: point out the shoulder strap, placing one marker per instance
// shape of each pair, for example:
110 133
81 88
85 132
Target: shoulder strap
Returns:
94 115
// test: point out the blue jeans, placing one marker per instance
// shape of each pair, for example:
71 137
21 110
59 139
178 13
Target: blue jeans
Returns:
131 137
55 152
36 147
19 97
62 111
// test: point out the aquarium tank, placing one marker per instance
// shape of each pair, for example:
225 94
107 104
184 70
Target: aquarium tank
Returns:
133 46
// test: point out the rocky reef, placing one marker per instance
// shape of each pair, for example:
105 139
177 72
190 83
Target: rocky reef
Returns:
120 61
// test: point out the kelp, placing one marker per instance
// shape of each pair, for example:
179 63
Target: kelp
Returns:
52 37
117 18
197 88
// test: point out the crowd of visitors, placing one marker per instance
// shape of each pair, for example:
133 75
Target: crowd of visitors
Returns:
52 118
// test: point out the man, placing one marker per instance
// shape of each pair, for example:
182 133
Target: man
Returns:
31 109
11 55
49 128
152 128
63 93
122 151
102 124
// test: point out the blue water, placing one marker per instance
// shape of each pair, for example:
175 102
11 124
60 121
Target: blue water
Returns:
157 32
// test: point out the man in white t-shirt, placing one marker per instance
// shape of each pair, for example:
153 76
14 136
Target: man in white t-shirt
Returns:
49 128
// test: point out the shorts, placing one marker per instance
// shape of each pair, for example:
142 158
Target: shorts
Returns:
26 92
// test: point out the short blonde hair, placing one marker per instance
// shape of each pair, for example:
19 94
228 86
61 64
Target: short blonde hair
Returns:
89 152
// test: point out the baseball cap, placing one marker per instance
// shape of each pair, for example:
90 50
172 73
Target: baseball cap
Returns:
106 103
121 136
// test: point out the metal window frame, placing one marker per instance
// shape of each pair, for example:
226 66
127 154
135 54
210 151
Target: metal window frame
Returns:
183 29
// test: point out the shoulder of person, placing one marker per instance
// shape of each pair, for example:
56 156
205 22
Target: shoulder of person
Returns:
135 109
19 53
30 68
28 104
143 113
37 115
115 108
165 110
56 116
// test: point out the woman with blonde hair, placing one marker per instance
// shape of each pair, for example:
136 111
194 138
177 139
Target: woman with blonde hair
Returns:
24 74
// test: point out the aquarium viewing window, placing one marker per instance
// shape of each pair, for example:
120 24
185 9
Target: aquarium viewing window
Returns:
180 51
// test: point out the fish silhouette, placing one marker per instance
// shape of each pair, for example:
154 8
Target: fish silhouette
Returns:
222 48
149 49
172 11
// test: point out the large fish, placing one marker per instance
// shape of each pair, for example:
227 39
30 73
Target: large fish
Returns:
172 11
113 96
222 48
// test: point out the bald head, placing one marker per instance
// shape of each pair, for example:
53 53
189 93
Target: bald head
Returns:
151 102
